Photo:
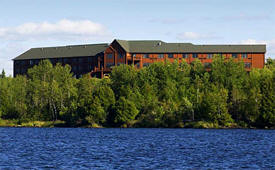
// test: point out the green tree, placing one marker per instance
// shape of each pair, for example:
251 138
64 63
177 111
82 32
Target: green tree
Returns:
125 111
214 105
3 74
267 110
252 103
50 90
13 98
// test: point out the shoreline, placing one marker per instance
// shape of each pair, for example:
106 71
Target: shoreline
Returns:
62 124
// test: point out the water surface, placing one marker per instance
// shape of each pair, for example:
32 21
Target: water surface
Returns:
81 148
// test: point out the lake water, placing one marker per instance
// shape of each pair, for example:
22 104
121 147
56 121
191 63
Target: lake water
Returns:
83 148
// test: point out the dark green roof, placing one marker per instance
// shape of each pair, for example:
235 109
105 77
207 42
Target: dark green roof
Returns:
157 46
138 46
63 51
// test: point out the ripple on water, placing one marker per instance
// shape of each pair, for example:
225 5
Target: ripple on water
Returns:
80 148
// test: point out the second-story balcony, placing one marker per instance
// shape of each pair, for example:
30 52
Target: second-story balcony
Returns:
137 58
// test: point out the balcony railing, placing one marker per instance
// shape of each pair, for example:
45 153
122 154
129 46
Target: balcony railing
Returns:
137 57
96 69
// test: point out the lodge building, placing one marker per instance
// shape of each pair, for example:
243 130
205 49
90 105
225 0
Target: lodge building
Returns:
98 59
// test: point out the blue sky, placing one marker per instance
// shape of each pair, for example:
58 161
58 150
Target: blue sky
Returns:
36 23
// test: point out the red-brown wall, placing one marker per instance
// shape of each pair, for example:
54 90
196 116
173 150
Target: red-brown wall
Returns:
256 59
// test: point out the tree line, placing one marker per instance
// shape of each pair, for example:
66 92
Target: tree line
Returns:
160 95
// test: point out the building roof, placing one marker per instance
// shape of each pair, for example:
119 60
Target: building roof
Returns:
158 46
63 51
136 46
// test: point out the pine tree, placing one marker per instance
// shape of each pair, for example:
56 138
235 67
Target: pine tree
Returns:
3 74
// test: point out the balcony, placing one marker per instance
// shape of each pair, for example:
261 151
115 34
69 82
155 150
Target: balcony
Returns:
137 57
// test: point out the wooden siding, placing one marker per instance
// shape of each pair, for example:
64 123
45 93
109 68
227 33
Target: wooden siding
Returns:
256 60
100 64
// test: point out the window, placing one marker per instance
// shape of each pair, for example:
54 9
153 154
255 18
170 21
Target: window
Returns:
247 65
65 60
195 55
146 56
79 68
170 55
209 56
74 60
234 56
109 65
244 55
134 55
31 62
53 61
184 55
146 64
161 56
16 71
120 55
74 68
138 65
119 63
110 56
207 65
80 60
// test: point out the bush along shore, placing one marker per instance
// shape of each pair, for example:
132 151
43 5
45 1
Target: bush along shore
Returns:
160 95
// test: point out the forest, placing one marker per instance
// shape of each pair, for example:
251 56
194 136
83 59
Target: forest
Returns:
160 95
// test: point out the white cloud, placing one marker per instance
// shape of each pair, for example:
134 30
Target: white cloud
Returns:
250 41
63 29
8 52
7 66
195 36
16 40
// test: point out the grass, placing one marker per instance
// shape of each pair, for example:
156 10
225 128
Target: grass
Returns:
201 125
8 123
15 123
211 125
134 124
